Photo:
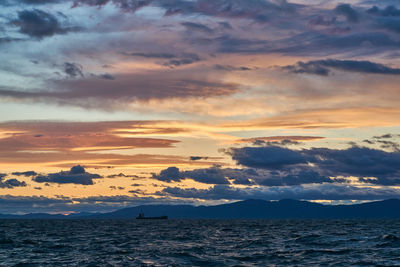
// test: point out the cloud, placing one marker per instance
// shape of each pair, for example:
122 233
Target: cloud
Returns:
121 175
26 204
386 141
80 136
26 174
322 67
186 59
194 158
10 183
258 10
197 27
389 23
212 175
29 2
168 175
325 118
94 93
152 55
369 165
77 175
279 140
93 144
231 68
73 70
40 24
60 204
385 12
320 192
106 76
318 44
246 176
380 2
125 5
113 187
172 59
347 11
270 157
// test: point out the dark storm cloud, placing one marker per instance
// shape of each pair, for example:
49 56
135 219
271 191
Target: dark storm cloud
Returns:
39 24
381 2
388 11
40 2
347 11
321 44
173 60
248 176
309 43
231 68
388 23
270 157
320 192
8 40
10 183
186 59
105 76
193 27
294 176
213 175
168 175
359 162
26 174
258 10
126 5
77 175
29 2
73 70
194 158
322 67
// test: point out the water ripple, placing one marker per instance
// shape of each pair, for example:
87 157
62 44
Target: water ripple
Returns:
199 243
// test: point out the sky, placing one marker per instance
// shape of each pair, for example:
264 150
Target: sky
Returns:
112 103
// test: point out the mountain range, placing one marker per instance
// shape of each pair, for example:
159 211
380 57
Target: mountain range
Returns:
246 209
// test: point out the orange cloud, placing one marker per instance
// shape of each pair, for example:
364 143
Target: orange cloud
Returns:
323 118
72 136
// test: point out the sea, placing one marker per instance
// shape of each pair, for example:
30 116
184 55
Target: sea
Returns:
199 243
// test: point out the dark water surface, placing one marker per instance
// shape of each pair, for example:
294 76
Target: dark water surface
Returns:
200 243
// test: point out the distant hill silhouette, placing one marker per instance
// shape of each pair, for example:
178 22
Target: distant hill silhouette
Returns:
247 209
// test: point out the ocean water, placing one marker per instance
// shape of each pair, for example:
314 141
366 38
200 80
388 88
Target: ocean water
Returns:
200 243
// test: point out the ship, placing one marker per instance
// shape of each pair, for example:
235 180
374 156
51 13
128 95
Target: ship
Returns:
142 217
